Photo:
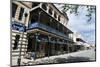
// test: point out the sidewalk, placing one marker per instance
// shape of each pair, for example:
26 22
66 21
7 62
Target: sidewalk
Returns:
80 56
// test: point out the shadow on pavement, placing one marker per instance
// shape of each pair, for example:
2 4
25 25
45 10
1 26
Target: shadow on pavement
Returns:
71 59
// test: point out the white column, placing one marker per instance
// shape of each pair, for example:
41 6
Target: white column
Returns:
53 13
17 13
40 5
57 17
47 9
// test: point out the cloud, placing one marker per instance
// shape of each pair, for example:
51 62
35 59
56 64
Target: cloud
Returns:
81 25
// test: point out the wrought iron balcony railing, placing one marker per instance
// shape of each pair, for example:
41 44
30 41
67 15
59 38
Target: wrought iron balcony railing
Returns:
47 28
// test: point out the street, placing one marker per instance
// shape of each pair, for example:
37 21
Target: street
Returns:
80 56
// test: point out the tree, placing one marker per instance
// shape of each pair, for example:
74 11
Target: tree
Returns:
73 9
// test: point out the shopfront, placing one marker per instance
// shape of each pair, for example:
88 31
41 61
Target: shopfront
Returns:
45 45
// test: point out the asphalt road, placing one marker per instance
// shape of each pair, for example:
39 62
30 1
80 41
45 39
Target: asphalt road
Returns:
80 56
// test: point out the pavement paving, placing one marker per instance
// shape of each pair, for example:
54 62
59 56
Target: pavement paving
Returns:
80 56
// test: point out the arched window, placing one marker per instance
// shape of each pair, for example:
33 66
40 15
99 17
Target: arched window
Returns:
55 14
59 17
21 13
50 10
44 6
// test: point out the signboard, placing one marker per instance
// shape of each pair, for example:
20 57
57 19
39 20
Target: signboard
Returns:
18 26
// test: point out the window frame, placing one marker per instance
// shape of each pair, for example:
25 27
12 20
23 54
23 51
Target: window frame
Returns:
21 13
14 8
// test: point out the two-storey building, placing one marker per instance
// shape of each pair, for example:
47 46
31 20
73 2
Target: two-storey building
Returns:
39 28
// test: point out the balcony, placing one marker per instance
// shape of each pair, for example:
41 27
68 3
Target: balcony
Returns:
47 28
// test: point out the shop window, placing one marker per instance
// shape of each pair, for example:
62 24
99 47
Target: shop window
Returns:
16 42
21 13
64 47
38 46
14 7
31 42
34 18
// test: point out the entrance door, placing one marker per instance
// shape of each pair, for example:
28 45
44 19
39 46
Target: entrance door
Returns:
50 49
31 44
46 49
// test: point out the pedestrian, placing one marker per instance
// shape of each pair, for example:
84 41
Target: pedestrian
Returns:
33 55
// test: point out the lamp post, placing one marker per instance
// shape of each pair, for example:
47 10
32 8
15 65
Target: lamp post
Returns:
19 58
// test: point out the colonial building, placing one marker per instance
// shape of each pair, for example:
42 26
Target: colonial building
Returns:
19 22
39 28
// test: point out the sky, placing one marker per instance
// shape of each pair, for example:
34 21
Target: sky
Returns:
80 24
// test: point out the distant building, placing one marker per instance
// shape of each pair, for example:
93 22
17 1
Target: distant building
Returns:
80 43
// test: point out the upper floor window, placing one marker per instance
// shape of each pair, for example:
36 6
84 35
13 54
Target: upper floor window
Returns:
14 7
50 10
35 4
59 17
44 6
21 13
55 14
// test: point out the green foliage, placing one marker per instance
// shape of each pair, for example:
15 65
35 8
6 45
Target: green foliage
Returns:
91 10
73 9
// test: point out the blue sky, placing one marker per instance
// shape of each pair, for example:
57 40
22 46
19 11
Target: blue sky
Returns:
80 24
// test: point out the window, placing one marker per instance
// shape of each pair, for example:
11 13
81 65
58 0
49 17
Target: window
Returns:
50 10
35 4
34 16
77 39
37 46
64 47
14 7
44 6
55 14
31 42
21 13
16 42
59 17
